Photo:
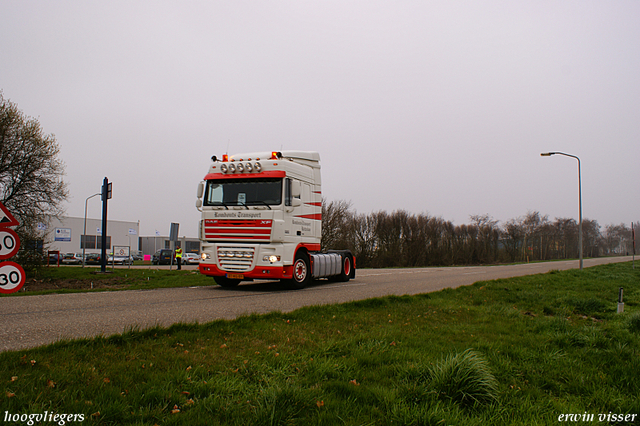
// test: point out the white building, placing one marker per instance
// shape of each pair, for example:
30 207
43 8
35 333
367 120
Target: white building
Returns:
149 245
67 235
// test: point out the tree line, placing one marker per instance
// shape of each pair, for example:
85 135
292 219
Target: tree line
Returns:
403 239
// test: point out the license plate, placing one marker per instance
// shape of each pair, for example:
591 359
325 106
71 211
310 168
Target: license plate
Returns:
235 276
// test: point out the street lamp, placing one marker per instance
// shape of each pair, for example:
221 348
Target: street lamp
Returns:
549 154
85 226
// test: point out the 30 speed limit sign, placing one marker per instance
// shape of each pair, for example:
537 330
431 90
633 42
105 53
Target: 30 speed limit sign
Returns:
12 277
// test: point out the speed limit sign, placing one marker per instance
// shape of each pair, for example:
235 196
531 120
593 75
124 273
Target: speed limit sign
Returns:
12 277
9 243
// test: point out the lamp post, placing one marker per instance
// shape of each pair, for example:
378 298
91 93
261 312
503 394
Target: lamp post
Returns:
549 154
85 226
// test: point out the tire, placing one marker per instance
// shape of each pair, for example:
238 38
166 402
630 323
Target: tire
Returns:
347 269
226 282
301 272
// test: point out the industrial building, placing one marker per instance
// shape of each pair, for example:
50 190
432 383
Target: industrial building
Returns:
72 235
69 235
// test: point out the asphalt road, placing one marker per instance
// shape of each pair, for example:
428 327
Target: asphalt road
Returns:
31 321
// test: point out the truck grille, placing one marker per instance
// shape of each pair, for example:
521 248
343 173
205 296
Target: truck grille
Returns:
234 230
235 259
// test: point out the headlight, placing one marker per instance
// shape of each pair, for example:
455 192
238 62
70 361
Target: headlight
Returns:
232 168
240 168
204 256
272 259
257 166
248 167
224 168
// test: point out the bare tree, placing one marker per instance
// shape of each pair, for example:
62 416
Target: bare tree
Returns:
592 239
534 226
31 184
514 236
336 224
365 243
618 239
488 235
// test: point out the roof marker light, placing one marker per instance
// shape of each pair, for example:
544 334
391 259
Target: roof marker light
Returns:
225 157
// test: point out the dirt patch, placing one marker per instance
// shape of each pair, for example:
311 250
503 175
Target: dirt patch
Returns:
32 284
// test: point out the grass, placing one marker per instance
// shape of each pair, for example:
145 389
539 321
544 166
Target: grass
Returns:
73 279
505 352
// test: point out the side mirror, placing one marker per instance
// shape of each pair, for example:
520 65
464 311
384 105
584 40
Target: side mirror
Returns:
296 202
200 190
199 204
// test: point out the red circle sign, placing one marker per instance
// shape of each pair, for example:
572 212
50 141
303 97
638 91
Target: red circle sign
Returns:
12 277
9 243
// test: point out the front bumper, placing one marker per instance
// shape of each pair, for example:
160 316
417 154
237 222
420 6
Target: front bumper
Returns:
257 273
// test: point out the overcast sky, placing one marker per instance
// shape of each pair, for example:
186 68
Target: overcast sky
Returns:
439 107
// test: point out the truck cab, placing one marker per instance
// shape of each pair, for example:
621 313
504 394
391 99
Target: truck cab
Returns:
262 219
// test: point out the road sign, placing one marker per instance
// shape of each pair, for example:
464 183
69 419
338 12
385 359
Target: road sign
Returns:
6 218
9 243
12 277
120 250
62 234
173 234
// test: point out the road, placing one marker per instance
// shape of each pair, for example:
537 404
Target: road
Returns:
31 321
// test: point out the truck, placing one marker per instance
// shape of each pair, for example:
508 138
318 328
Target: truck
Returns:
261 219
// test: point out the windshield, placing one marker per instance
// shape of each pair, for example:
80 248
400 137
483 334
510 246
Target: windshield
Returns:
243 192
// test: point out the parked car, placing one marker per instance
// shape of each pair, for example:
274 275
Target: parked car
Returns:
72 258
162 257
92 259
190 258
120 260
55 258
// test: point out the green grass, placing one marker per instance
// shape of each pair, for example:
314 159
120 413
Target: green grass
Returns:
73 279
505 352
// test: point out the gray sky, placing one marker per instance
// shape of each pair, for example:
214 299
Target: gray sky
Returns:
429 106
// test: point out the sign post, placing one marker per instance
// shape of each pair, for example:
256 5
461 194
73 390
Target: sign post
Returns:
173 237
633 235
12 276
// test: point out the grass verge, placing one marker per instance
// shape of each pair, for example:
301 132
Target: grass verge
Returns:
74 279
506 352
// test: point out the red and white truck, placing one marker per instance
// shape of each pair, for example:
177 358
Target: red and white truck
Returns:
262 220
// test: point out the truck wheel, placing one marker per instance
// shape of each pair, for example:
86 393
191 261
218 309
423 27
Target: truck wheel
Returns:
301 272
345 274
226 282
